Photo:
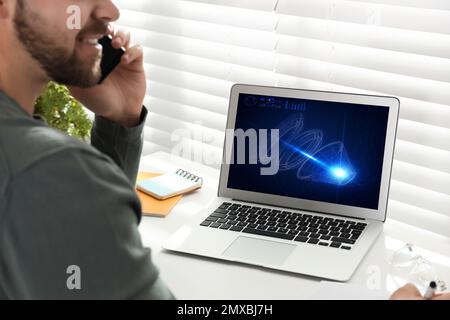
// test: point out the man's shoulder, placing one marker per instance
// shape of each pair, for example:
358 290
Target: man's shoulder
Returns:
25 142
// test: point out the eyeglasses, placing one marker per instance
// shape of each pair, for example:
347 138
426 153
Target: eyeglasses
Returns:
418 270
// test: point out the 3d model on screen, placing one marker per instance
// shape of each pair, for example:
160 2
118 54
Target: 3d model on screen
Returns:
304 151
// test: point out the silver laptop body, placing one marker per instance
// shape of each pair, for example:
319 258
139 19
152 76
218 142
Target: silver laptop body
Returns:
322 210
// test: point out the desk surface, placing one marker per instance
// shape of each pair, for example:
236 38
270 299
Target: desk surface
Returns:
191 277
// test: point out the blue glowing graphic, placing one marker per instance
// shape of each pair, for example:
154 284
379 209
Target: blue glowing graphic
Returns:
339 173
303 150
307 155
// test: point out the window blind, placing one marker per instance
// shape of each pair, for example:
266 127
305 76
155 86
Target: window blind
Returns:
196 50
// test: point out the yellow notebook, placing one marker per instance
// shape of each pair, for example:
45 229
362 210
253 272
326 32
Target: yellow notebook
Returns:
152 206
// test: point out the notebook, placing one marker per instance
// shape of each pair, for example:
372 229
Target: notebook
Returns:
169 185
152 206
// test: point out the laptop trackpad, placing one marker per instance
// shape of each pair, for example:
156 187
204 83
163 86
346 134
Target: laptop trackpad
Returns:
259 251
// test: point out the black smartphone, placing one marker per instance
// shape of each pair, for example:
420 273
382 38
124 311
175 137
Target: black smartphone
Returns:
110 58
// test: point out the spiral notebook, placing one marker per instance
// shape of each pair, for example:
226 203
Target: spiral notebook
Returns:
170 185
151 206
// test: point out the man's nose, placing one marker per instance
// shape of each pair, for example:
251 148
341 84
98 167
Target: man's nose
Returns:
107 11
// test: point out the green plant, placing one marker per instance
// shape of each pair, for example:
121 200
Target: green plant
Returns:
63 112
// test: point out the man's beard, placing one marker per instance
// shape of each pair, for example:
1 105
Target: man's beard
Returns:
58 62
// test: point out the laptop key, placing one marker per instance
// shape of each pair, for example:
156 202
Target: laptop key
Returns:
313 241
301 239
304 234
343 240
252 225
343 235
225 226
222 221
335 244
215 225
325 244
213 219
260 227
303 224
221 211
218 215
314 235
346 248
205 223
283 230
236 228
269 233
325 237
242 224
360 224
272 229
294 232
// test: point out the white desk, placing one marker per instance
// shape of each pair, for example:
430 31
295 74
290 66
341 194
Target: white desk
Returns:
191 277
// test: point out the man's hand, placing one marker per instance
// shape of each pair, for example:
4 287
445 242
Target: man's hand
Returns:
120 97
410 292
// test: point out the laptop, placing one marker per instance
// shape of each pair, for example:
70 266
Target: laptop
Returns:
304 182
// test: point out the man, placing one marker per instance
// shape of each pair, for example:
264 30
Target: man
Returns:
68 211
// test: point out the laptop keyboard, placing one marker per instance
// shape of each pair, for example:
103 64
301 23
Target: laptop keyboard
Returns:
307 228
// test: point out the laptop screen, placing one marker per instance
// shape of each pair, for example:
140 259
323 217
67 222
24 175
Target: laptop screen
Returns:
314 150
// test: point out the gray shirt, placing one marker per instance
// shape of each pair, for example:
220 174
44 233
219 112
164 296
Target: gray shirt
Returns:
64 203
